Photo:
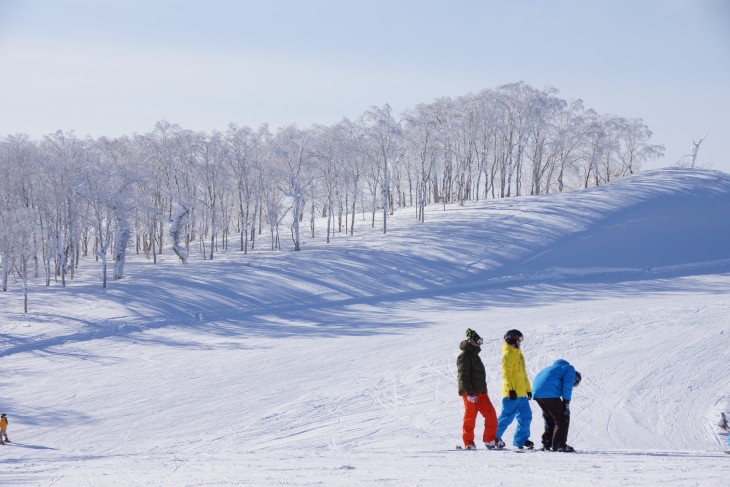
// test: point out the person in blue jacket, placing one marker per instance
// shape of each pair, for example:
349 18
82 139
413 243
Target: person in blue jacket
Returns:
553 390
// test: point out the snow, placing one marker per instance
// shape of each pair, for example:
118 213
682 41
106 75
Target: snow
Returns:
336 365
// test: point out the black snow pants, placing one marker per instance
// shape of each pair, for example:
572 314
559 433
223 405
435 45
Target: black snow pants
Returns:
556 423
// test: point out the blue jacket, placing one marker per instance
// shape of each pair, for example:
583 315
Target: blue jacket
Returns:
554 381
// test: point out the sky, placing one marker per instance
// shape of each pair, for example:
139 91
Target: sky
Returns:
112 68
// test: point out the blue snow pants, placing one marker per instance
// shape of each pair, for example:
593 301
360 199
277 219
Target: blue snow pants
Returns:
520 407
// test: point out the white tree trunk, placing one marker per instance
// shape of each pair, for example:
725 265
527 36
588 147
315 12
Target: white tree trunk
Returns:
297 210
6 270
120 249
176 228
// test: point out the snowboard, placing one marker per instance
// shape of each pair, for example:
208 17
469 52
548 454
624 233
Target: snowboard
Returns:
516 450
461 448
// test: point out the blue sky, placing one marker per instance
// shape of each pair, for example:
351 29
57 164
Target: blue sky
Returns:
111 68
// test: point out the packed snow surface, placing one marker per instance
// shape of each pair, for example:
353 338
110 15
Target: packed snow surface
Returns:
336 365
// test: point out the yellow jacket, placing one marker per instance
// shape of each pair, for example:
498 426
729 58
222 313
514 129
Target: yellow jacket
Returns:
3 423
514 374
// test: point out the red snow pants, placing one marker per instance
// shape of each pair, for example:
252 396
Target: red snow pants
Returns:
485 408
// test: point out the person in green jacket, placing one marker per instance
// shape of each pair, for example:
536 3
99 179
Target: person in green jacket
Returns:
516 392
472 383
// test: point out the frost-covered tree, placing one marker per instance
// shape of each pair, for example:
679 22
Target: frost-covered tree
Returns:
596 145
351 137
75 198
22 248
118 163
635 147
483 108
19 199
292 148
421 136
462 127
60 174
210 161
328 166
542 132
571 129
183 195
105 183
161 153
383 133
244 156
514 124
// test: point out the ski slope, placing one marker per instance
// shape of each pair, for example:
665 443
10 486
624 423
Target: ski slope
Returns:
336 365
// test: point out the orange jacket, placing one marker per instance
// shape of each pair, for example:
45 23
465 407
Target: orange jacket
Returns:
3 423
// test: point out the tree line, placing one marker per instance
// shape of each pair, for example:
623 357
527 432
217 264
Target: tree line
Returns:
65 198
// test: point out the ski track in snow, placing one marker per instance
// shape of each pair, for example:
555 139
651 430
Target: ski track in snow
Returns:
336 365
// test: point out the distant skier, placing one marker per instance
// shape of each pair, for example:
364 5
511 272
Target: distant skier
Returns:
553 390
516 392
726 427
4 429
472 383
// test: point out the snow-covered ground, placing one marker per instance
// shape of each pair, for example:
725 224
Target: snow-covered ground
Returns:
336 365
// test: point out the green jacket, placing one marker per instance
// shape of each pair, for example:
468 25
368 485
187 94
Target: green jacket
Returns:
472 378
514 375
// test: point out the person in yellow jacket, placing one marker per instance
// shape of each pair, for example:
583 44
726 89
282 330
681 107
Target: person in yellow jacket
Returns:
4 428
516 392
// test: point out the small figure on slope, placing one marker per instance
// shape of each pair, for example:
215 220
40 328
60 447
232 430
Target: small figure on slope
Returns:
553 390
516 392
4 428
472 383
723 424
726 427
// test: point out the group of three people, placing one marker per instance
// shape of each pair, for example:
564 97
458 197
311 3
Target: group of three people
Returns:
553 392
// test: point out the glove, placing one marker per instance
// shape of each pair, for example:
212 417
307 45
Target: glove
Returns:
529 396
512 395
566 408
472 399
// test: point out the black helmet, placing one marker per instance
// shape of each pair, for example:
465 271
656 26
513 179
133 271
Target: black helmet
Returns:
473 336
578 378
512 336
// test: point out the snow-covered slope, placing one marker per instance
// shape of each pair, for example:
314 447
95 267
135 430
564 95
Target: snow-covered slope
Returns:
336 365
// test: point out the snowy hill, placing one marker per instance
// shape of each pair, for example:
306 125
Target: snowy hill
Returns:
336 365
